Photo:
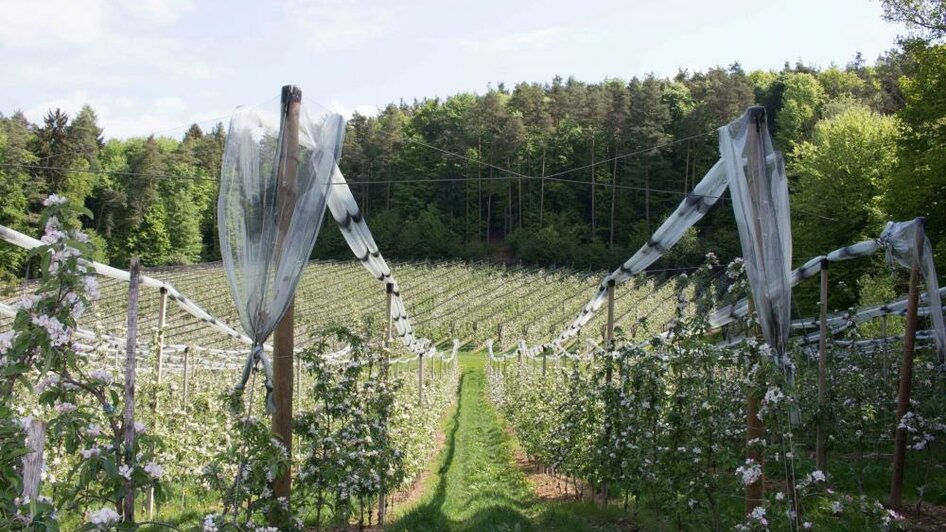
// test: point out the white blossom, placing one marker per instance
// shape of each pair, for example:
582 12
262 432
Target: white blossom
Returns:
54 199
104 517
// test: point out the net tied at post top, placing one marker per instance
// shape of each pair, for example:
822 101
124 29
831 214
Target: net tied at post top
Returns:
274 183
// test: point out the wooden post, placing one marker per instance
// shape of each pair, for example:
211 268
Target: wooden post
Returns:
159 348
385 369
389 288
420 379
755 436
906 370
159 357
33 460
820 450
609 333
187 380
284 335
128 421
544 354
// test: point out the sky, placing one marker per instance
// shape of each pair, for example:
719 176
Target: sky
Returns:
156 66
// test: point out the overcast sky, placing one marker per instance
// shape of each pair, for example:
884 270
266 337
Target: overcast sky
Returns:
155 66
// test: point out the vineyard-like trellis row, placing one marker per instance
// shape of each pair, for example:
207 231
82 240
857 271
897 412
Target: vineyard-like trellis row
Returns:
663 425
467 301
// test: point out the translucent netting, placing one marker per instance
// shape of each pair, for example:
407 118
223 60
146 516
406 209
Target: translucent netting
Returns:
26 242
759 191
268 221
755 174
348 216
691 210
899 239
725 315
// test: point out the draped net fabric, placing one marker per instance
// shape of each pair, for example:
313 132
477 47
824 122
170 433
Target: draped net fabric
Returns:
761 208
696 204
268 223
899 240
351 222
759 191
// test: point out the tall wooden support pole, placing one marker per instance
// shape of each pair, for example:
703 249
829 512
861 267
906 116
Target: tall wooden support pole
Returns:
609 333
420 379
284 335
544 362
128 420
389 288
159 348
820 437
159 358
33 460
906 370
187 374
755 430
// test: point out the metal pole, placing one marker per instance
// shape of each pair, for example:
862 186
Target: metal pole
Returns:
906 369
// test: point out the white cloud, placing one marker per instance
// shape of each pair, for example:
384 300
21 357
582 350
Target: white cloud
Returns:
32 23
536 39
169 104
348 110
328 25
159 11
122 116
70 104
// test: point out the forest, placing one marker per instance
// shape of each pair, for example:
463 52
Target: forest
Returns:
563 172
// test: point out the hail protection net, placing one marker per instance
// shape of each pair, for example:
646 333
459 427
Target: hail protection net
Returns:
274 183
351 223
899 239
759 191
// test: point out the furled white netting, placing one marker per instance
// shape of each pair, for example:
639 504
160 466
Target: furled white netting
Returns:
725 315
27 242
691 210
759 191
348 216
268 221
899 239
755 175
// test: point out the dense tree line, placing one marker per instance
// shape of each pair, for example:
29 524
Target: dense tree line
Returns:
565 172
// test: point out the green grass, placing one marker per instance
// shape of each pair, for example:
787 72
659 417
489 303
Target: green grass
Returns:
476 484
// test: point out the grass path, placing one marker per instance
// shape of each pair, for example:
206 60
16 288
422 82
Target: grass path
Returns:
476 484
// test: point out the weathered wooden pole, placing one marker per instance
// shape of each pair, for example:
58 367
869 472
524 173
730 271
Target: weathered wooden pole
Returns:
821 455
420 379
159 357
755 169
284 335
33 460
544 362
389 289
187 379
609 339
906 369
128 419
159 348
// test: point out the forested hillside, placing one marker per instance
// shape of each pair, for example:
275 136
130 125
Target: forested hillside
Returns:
561 172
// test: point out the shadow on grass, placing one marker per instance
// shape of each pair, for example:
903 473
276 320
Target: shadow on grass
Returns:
502 515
